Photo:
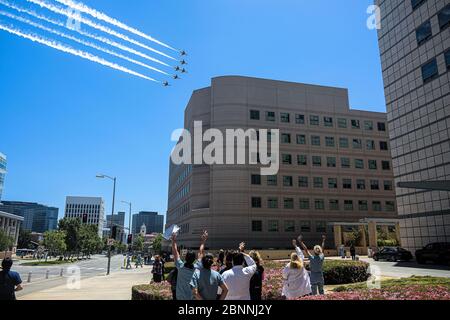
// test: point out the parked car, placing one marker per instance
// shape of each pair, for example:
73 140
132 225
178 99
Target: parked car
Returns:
393 254
438 253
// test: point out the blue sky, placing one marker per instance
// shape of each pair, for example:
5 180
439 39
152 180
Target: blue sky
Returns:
64 119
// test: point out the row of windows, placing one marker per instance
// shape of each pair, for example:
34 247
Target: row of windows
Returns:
181 211
430 69
318 182
315 120
424 31
319 204
182 177
331 162
82 206
343 142
289 226
182 193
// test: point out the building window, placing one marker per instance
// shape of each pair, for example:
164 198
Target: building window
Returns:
318 182
270 116
302 160
342 123
304 204
444 17
257 226
390 206
321 226
373 164
376 205
328 121
345 163
370 144
429 71
385 165
423 33
300 119
317 161
305 226
447 59
256 202
331 162
272 203
315 140
382 126
301 139
288 203
384 146
287 181
416 3
357 144
303 182
346 183
285 138
363 205
256 179
314 120
285 117
272 180
368 125
254 114
348 205
374 185
359 163
388 185
361 184
343 142
334 204
289 226
319 204
329 141
356 124
272 226
332 183
286 158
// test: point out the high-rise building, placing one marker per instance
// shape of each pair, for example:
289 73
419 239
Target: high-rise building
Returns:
154 223
335 166
2 173
37 217
118 220
90 210
414 42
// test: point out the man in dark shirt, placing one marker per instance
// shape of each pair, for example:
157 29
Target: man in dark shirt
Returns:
10 281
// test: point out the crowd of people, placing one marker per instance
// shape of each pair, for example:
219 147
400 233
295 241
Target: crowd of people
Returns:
236 275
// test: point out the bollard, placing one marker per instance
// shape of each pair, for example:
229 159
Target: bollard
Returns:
29 276
61 273
46 274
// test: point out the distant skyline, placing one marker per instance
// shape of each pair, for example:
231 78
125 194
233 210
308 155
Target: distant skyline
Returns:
64 119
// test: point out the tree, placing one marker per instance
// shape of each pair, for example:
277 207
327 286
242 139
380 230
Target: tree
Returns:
6 241
24 239
55 242
89 240
157 243
71 226
138 243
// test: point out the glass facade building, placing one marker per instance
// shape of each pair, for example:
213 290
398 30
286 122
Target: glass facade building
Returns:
37 217
2 173
152 220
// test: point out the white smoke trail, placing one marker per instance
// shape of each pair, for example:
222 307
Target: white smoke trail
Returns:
84 33
86 43
97 26
101 16
79 53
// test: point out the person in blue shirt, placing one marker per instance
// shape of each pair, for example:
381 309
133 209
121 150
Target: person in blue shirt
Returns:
187 268
316 267
10 281
205 282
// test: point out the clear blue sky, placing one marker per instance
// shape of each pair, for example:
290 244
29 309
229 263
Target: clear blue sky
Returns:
64 119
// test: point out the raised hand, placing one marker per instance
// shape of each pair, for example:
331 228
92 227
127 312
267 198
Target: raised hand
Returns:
300 238
204 236
242 246
324 237
294 243
173 237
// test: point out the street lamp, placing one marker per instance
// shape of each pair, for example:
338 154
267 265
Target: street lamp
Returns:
103 176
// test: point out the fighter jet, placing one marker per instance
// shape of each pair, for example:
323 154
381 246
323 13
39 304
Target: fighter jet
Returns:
166 84
183 62
176 77
183 53
177 68
184 70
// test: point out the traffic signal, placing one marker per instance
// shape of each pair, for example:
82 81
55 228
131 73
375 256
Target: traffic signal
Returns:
114 232
130 239
85 217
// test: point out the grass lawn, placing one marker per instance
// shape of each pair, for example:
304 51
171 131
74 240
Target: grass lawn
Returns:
47 263
390 284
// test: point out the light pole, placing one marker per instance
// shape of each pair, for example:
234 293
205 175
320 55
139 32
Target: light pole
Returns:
103 176
129 218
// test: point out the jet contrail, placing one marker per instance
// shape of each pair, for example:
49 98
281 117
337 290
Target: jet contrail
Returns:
80 41
79 53
101 16
94 25
84 33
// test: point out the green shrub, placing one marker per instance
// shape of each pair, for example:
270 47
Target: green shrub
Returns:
343 272
152 291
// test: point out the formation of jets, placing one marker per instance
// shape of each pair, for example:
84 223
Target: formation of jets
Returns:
178 69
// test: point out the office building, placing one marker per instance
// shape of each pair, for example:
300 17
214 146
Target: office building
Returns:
154 223
117 220
11 224
335 166
89 209
2 173
37 217
414 42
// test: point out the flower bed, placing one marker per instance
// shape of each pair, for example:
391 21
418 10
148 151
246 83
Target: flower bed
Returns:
152 291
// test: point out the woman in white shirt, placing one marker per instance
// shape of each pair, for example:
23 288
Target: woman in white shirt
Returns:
296 281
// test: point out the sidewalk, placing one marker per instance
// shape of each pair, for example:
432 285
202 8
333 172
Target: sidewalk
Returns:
116 286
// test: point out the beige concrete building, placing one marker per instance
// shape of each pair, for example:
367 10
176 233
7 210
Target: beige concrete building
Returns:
10 224
335 166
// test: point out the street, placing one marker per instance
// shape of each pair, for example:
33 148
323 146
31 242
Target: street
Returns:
408 269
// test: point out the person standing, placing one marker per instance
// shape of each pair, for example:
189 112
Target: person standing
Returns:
256 282
316 267
139 261
10 281
353 252
238 278
206 282
128 266
296 282
157 270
